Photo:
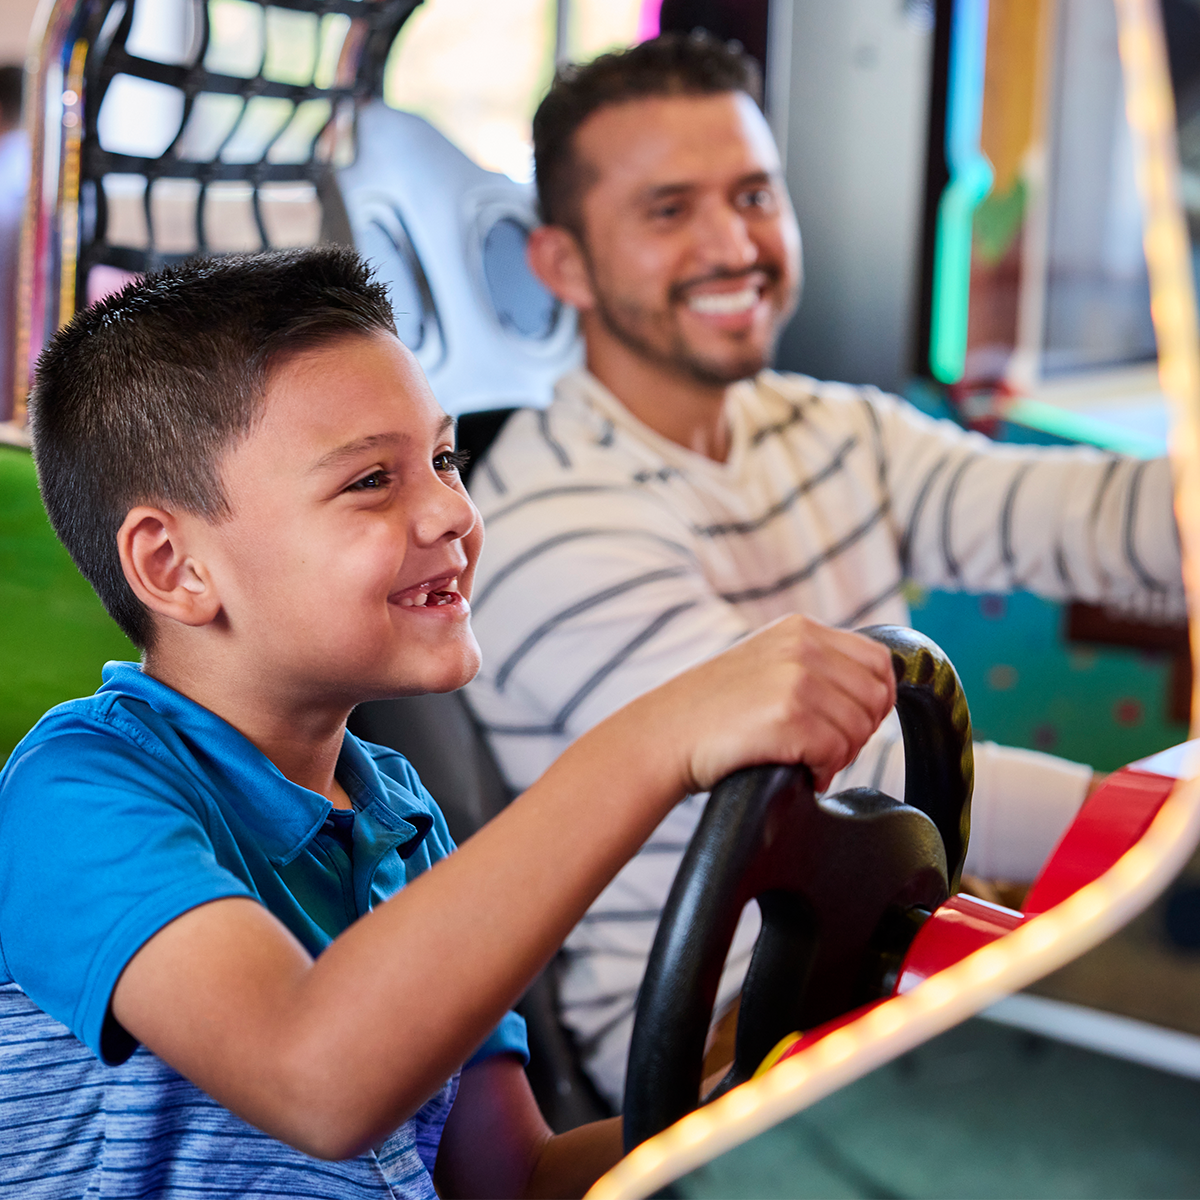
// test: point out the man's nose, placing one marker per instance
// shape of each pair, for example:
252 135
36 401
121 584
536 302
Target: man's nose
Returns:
724 237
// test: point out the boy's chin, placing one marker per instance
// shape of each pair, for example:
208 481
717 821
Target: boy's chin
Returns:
440 677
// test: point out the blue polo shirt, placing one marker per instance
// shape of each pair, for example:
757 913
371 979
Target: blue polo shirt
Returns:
118 813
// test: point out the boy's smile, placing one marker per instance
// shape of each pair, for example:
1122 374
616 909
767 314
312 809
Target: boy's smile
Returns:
345 570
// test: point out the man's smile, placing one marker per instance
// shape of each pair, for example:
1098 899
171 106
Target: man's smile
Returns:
724 294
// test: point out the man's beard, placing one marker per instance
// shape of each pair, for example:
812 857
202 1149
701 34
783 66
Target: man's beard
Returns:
625 323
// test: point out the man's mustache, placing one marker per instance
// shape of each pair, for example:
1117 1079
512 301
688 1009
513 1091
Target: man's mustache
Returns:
768 272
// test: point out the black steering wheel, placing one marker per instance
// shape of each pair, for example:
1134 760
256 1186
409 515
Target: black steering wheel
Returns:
843 884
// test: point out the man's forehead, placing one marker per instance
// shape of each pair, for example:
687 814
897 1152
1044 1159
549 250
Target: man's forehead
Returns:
655 141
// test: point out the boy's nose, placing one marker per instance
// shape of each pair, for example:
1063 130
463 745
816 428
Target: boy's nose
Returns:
447 514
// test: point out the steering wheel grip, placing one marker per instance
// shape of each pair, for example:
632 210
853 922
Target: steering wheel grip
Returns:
939 758
843 884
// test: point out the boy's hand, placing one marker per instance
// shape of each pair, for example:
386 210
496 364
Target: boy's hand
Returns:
796 691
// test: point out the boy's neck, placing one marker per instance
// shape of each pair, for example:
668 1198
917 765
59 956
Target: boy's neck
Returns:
304 742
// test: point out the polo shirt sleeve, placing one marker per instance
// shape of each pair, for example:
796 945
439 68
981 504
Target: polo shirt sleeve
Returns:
101 846
511 1035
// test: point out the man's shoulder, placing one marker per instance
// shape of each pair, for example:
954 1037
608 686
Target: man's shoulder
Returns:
569 440
559 469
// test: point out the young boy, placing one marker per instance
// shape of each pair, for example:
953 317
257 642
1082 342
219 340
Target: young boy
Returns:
202 988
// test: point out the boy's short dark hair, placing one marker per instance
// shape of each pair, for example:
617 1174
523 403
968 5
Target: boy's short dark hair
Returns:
675 64
137 399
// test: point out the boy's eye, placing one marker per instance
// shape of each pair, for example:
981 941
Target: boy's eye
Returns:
451 461
373 482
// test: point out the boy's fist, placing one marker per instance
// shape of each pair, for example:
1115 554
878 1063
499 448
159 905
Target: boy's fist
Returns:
796 691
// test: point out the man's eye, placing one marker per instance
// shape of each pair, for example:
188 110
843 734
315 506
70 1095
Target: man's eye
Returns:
370 483
758 198
451 461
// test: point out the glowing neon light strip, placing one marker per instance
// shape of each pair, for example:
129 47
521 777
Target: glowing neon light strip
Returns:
970 182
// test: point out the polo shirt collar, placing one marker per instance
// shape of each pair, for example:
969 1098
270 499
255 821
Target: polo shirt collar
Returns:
282 816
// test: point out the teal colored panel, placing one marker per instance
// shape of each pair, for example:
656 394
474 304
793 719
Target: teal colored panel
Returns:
1077 427
1105 706
54 634
981 1111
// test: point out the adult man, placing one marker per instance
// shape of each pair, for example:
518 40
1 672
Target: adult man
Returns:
675 495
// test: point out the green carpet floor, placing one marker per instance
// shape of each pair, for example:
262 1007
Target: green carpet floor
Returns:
54 635
984 1111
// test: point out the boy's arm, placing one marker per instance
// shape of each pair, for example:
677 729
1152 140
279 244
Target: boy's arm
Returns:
496 1143
332 1055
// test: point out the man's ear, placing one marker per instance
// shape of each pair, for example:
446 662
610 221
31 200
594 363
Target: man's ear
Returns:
557 259
166 578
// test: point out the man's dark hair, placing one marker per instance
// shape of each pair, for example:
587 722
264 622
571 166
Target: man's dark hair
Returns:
138 398
12 79
676 64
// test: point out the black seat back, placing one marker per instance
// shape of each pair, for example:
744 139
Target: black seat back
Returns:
438 734
477 431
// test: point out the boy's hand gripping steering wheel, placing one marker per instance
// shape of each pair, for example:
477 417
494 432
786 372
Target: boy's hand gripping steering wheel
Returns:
843 884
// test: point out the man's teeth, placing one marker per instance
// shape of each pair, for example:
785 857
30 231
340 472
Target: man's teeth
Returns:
432 599
723 303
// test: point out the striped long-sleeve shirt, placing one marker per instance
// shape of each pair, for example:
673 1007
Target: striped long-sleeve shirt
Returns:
616 558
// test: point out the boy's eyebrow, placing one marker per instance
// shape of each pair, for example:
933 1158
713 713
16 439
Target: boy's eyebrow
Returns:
352 449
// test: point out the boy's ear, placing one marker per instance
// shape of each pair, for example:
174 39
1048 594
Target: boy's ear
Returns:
557 259
166 578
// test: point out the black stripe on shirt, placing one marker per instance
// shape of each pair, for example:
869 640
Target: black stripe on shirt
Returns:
562 539
1148 581
558 723
809 568
877 441
793 418
619 659
559 450
862 610
1098 499
953 567
498 484
835 464
566 489
1007 554
551 623
910 532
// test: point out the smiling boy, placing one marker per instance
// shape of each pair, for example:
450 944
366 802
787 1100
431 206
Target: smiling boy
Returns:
236 953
